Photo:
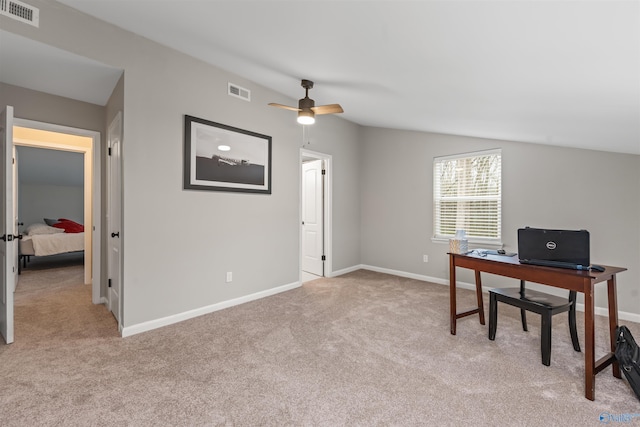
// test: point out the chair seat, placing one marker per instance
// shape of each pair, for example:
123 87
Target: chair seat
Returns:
532 300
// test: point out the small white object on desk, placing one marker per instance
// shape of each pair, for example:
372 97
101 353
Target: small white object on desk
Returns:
459 245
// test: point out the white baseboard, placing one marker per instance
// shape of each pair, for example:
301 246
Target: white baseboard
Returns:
600 311
169 320
345 271
408 275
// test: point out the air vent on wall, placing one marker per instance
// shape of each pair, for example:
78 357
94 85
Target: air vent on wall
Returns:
239 92
20 11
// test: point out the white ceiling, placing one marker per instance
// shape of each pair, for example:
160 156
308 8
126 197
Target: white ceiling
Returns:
552 72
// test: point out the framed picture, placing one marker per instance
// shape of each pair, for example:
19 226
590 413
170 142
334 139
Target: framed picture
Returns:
218 157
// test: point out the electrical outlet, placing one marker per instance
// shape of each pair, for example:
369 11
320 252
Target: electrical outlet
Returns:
425 258
229 276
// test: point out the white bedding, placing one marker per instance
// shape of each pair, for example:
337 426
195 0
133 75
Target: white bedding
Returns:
51 244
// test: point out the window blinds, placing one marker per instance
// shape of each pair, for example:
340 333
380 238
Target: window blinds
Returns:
467 195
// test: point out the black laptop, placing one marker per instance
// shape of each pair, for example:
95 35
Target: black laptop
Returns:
554 248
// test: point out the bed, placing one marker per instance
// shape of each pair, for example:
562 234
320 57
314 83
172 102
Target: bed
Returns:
43 240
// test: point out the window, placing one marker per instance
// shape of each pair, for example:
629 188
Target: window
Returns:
467 195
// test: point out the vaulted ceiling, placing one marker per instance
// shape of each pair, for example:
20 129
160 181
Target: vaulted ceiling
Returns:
552 72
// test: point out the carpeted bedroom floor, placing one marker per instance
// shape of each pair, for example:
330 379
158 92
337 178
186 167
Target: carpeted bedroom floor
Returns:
361 349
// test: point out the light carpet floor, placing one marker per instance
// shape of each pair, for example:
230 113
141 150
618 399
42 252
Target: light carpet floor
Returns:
362 349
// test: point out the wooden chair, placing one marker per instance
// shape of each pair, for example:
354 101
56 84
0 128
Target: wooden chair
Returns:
538 302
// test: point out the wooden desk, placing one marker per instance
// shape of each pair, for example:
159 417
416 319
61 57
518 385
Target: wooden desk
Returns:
580 281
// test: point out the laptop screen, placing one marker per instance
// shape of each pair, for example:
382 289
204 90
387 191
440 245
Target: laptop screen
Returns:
562 246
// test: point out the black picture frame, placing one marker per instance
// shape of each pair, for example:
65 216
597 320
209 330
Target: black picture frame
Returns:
218 157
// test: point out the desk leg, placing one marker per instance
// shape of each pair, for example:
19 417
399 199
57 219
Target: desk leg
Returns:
452 294
479 297
589 337
613 321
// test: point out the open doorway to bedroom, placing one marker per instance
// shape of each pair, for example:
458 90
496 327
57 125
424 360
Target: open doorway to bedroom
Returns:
58 178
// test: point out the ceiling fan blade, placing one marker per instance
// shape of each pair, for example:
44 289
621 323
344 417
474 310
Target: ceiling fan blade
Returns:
286 107
328 109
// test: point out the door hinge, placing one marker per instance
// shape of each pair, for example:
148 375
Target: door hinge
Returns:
324 172
109 282
324 258
109 151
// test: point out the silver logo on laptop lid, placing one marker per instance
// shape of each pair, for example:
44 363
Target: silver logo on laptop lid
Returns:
551 245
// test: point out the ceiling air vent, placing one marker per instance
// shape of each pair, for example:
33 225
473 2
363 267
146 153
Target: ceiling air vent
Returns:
20 11
238 92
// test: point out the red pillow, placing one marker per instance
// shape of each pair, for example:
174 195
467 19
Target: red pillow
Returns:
69 226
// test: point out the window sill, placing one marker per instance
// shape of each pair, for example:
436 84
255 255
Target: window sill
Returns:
473 243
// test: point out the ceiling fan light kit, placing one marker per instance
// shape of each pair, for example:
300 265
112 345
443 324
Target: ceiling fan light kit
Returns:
306 106
306 117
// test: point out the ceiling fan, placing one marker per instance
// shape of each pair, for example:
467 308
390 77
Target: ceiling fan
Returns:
306 106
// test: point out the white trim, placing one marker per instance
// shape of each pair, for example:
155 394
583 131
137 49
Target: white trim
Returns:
96 207
328 209
469 154
346 270
473 243
407 275
175 318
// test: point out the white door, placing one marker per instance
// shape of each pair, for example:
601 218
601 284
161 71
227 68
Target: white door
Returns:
312 218
114 297
8 244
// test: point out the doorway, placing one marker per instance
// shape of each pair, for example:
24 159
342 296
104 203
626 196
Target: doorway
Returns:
55 137
315 215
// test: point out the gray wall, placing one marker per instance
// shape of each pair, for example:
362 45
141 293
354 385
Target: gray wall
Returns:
37 202
43 107
50 184
543 186
179 244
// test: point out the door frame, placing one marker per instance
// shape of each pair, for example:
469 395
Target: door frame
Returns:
96 195
327 206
